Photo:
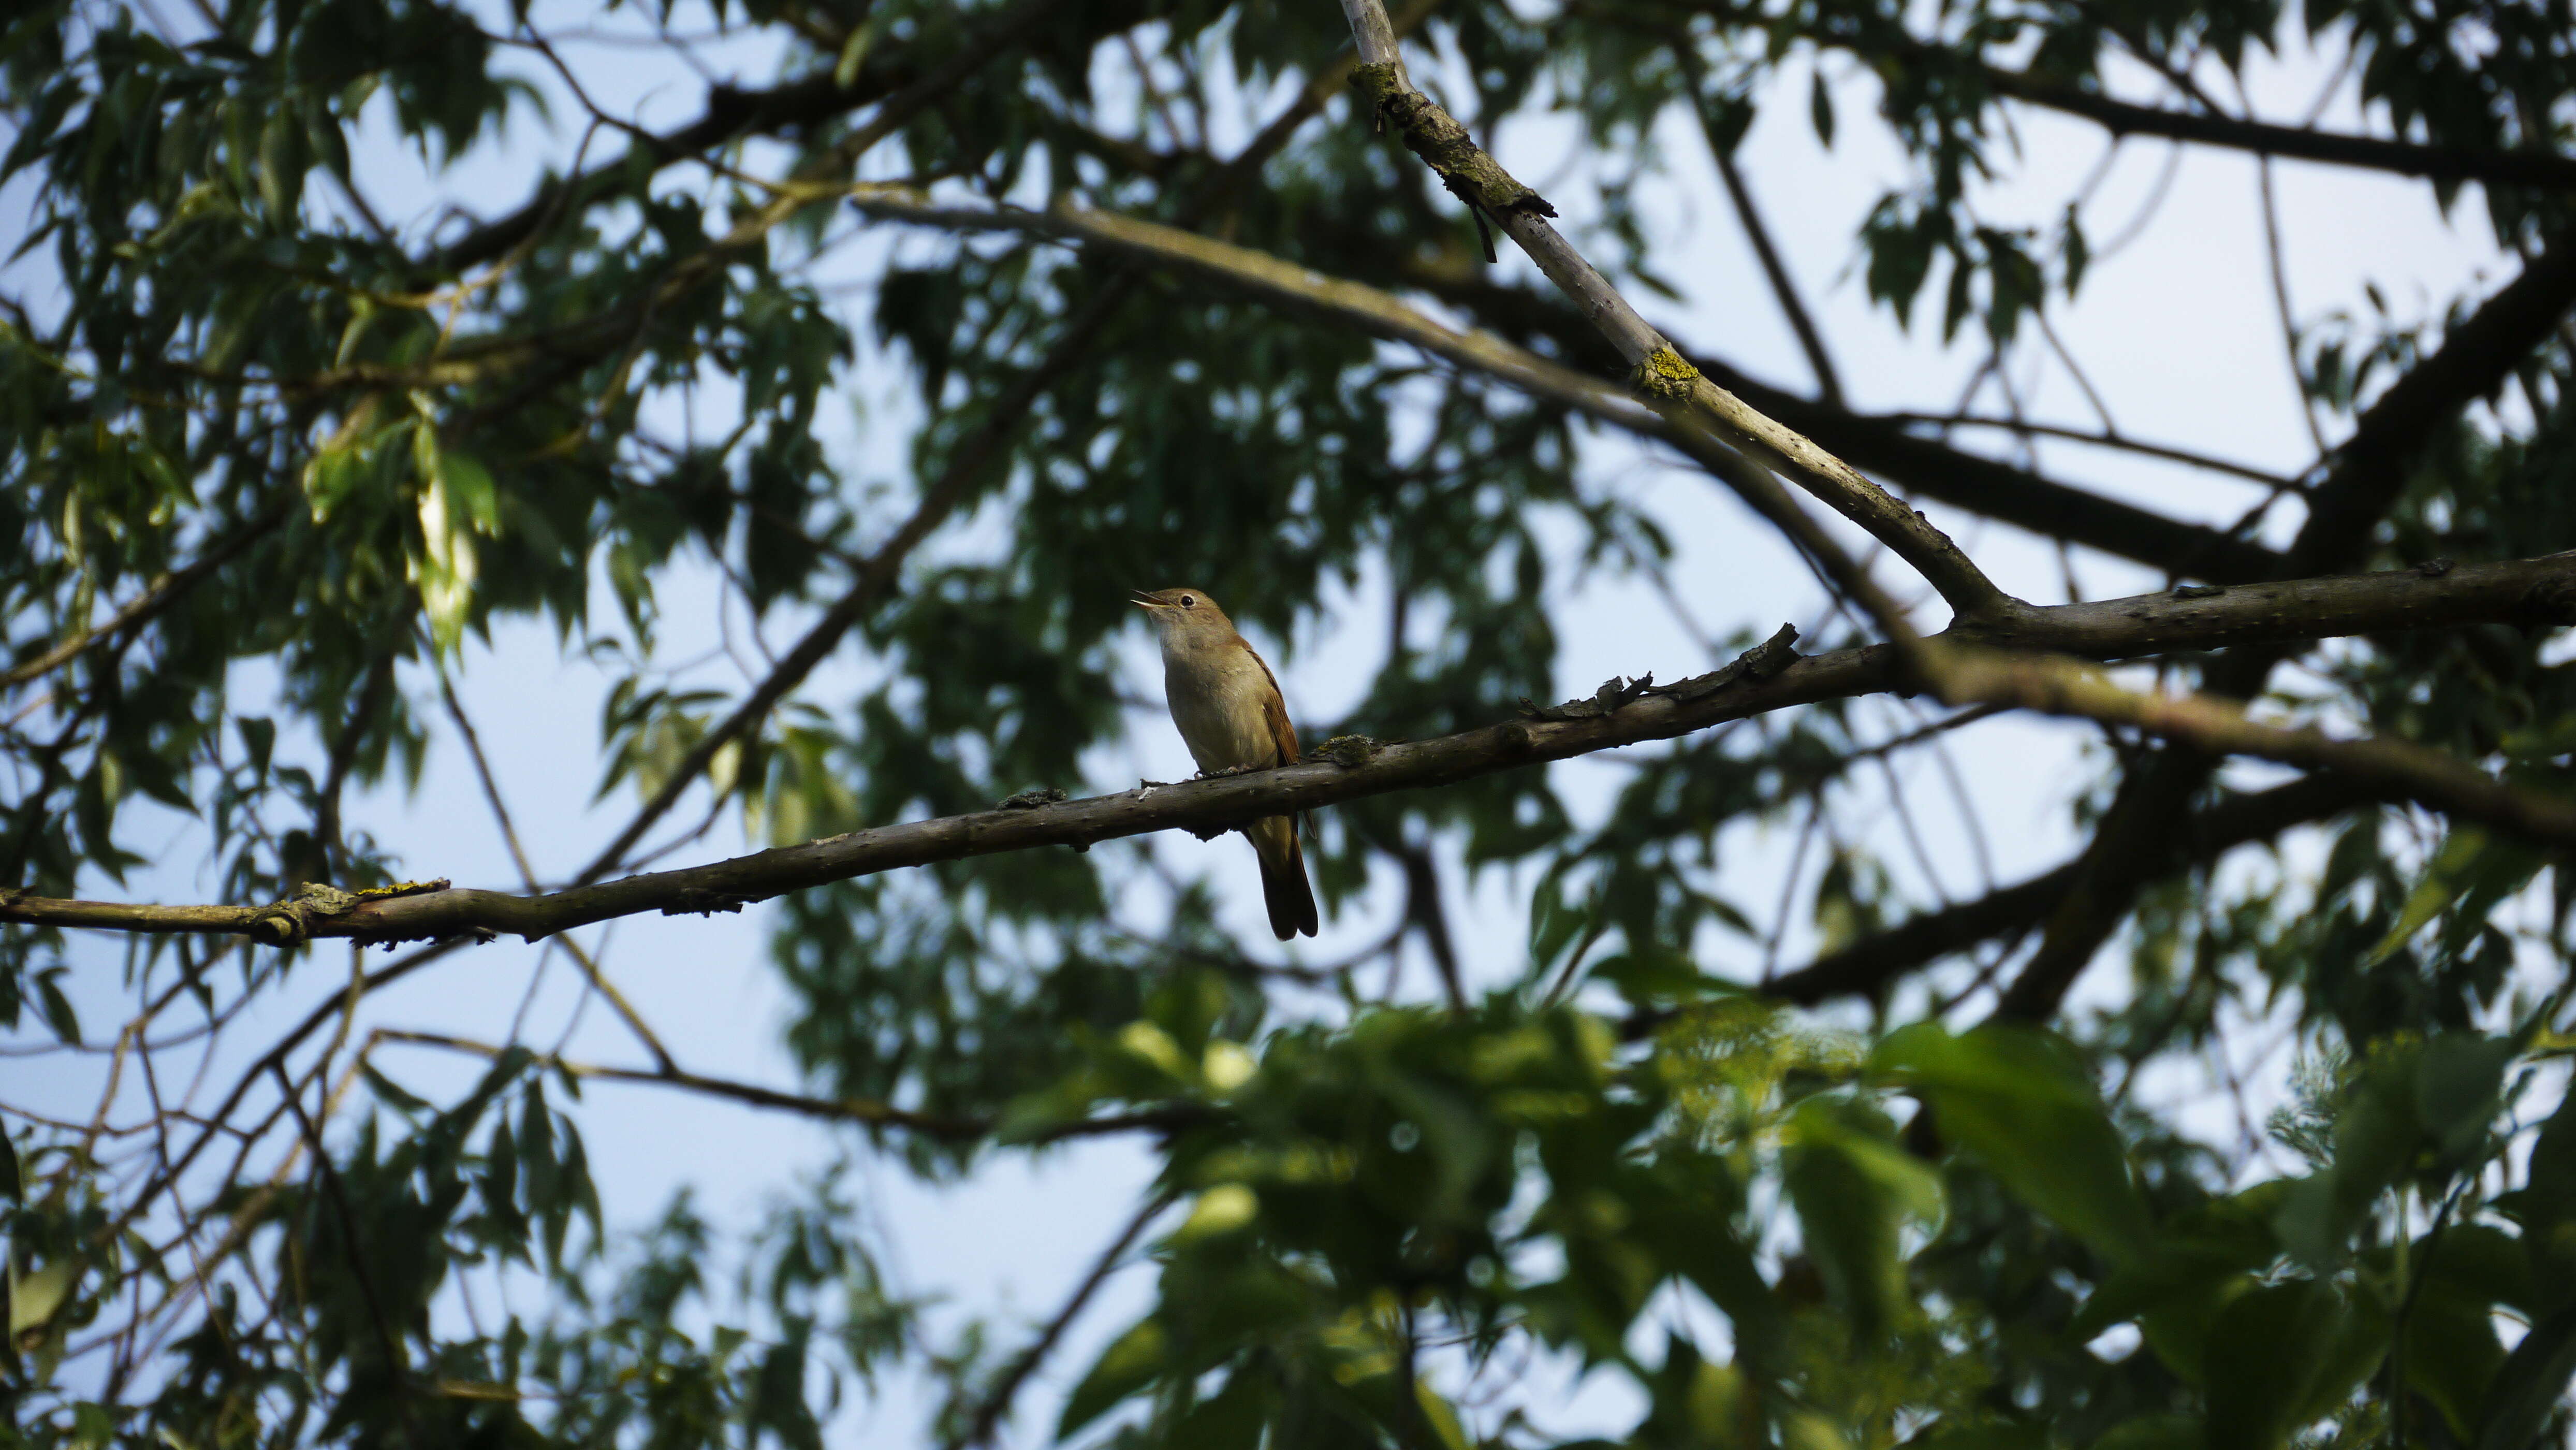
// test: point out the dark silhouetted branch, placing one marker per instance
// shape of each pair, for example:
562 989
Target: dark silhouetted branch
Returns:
997 1401
1887 446
1870 965
2535 168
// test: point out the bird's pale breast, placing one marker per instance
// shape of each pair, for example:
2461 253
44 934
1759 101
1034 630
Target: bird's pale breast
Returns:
1216 698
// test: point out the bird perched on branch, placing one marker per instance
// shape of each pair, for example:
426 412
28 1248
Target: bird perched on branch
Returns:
1232 717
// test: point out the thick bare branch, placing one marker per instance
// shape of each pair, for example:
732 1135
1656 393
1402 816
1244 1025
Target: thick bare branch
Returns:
2528 592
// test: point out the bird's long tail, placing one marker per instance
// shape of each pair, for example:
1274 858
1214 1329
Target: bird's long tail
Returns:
1283 876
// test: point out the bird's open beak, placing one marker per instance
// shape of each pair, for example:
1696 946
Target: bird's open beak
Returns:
1143 600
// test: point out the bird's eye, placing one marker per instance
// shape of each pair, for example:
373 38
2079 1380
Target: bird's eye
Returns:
1187 602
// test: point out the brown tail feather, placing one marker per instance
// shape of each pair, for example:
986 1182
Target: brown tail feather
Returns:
1283 877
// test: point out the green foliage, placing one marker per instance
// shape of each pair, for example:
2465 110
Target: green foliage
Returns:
289 459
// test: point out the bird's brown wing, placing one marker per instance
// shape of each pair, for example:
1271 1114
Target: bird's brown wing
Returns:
1283 737
1274 713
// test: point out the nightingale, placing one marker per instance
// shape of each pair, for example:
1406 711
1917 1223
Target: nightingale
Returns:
1232 717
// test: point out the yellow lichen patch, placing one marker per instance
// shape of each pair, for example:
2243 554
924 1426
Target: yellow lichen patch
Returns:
1663 373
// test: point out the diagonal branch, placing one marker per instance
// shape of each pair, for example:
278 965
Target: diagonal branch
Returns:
2214 728
2395 768
1385 316
397 1365
1672 386
1771 678
157 596
2475 359
1784 288
1881 442
996 1402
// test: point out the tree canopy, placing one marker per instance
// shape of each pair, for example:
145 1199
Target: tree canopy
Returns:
343 335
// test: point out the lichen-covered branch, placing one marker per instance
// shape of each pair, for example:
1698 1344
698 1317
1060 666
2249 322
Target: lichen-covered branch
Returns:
1657 371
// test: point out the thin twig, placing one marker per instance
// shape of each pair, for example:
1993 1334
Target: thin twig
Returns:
863 1111
2280 273
2119 441
599 982
395 1363
157 596
1784 288
997 1401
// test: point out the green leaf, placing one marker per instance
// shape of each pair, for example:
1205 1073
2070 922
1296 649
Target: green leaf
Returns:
2459 1083
12 1186
1653 975
2377 1133
778 1396
259 738
1441 1416
1854 1188
1555 926
35 1298
2467 877
1130 1363
2176 1294
854 51
2283 1355
471 492
57 1008
2155 1432
2452 1353
448 562
1985 1434
2010 1097
391 1091
1231 1419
